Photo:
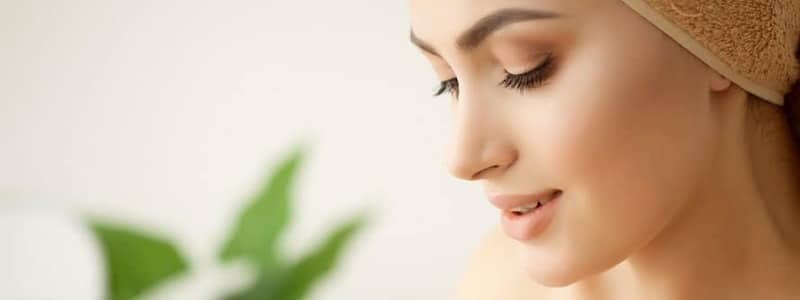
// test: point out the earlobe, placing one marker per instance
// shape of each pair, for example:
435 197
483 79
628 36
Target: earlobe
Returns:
718 82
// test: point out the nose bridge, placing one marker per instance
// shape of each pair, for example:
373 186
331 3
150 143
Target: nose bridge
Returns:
478 144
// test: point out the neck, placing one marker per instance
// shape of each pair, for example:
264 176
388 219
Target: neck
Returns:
738 236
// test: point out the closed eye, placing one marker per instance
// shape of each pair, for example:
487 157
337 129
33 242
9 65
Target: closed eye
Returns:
528 80
532 78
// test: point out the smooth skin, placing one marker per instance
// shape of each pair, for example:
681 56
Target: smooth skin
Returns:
676 184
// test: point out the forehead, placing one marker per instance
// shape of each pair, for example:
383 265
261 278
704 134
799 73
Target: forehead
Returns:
441 21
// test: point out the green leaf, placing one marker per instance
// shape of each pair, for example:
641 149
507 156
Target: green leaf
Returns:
319 262
255 236
264 287
295 282
135 261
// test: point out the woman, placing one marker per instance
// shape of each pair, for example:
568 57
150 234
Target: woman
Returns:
635 149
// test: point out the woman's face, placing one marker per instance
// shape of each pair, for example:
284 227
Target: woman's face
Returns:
616 115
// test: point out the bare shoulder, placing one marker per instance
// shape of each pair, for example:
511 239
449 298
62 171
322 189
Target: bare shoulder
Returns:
492 272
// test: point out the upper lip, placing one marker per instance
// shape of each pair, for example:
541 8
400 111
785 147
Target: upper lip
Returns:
509 202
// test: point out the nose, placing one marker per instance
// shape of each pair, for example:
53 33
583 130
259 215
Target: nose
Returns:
480 147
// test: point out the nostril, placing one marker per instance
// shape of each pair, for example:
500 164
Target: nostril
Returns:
481 173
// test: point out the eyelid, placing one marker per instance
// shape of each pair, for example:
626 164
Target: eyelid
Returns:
533 78
546 57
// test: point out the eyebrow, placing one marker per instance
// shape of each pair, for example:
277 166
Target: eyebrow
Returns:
487 25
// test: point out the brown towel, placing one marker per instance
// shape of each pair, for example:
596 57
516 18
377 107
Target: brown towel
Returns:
751 42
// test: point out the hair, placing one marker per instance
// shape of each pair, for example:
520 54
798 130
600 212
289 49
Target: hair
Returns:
791 105
788 114
790 108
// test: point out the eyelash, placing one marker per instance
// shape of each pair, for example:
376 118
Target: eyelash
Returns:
521 82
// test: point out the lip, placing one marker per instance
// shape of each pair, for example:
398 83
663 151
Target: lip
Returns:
509 202
532 224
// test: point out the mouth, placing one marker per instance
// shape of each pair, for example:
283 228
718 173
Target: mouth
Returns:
525 217
533 206
522 204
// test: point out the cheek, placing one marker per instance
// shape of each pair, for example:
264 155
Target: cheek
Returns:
627 152
633 147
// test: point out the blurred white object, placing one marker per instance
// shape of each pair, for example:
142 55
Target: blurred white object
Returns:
47 254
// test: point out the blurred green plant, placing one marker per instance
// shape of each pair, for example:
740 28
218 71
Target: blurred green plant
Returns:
137 261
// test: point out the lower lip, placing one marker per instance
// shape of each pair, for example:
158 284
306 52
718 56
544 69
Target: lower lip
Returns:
531 224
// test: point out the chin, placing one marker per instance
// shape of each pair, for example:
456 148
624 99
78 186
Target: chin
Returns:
557 271
552 277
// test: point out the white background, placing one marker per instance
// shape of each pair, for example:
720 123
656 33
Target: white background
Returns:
166 115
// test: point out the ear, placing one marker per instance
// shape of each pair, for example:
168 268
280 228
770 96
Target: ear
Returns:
718 83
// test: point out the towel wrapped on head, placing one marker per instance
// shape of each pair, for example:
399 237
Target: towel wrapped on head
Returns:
754 43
